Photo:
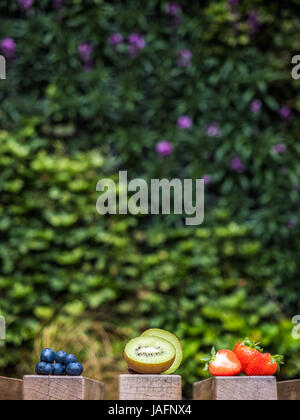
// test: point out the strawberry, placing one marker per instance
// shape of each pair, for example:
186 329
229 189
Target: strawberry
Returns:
224 363
264 365
255 366
247 351
272 364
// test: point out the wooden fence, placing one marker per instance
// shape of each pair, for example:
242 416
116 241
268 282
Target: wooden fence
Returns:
11 389
148 387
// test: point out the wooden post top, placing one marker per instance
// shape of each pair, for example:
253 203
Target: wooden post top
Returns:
150 387
11 389
289 390
236 388
62 388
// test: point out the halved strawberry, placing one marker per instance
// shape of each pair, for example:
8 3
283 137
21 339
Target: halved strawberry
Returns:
264 365
246 351
224 363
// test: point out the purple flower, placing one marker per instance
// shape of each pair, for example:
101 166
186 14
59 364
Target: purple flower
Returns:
137 40
279 148
207 179
213 130
237 165
136 43
253 22
233 2
25 4
57 3
184 58
164 148
184 122
85 51
256 106
8 47
286 113
115 39
173 9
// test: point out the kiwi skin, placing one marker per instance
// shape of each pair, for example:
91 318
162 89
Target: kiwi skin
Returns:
146 368
166 335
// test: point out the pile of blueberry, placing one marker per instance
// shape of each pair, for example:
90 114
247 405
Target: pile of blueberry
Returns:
58 364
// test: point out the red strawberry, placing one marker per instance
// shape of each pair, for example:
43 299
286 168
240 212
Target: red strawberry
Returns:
272 364
224 363
246 351
264 365
255 366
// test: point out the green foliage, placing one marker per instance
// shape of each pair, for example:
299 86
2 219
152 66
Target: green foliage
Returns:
234 276
58 256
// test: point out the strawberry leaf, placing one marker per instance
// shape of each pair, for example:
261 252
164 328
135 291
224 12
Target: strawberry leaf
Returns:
247 342
279 359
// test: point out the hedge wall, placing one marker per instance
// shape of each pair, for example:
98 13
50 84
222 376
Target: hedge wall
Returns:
210 285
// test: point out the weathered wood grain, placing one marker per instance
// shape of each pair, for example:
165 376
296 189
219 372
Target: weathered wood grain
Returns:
11 389
236 388
289 390
62 388
150 387
204 390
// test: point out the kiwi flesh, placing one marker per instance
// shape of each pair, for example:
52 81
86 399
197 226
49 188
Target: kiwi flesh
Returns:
166 335
152 355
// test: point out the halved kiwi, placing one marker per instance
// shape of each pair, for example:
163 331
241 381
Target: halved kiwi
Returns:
166 335
149 355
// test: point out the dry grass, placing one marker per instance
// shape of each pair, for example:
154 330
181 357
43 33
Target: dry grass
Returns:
91 344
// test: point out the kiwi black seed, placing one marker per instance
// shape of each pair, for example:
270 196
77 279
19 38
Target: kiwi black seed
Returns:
149 351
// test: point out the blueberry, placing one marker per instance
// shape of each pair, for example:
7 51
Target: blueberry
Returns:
48 356
74 369
70 358
60 357
39 369
44 369
48 369
58 369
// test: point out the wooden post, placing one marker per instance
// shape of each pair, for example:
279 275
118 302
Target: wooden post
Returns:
150 387
236 388
289 390
11 389
62 388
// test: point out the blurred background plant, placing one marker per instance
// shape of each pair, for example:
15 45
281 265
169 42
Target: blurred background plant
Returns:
186 89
